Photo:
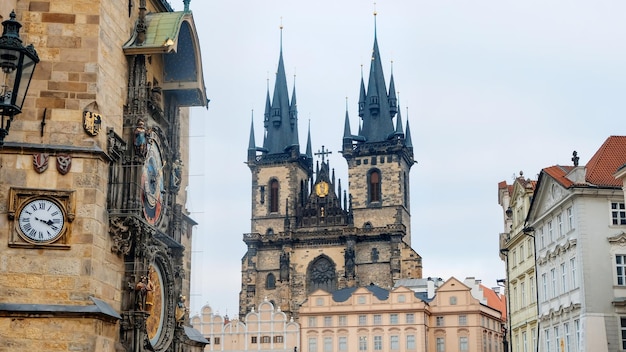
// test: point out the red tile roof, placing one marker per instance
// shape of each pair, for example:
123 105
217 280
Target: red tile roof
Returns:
606 161
558 173
495 300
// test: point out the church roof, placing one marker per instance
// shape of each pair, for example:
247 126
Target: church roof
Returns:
345 293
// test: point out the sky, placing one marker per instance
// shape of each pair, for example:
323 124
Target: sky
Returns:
490 89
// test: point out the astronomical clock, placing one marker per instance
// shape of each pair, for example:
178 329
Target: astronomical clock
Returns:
148 226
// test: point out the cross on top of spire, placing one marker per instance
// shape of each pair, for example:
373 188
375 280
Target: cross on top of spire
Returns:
323 153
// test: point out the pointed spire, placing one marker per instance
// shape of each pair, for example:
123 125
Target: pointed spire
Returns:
293 108
251 142
376 113
407 139
362 95
347 134
282 120
393 101
399 131
268 105
309 150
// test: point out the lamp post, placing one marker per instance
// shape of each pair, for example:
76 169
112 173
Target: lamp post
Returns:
18 65
507 327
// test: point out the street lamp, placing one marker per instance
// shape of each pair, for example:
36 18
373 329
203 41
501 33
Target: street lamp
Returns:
18 65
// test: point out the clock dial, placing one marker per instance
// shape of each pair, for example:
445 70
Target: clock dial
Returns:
41 220
321 189
152 180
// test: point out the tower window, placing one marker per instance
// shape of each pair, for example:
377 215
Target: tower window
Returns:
274 196
270 282
374 186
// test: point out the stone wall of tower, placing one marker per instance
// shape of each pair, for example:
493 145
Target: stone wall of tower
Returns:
79 44
289 177
83 67
395 198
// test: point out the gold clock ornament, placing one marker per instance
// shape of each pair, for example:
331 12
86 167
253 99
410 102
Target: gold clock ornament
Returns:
321 189
41 218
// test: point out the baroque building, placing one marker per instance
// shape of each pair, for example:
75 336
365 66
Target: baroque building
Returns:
577 217
307 231
96 241
518 252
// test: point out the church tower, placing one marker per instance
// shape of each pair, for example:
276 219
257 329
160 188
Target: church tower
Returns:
379 156
307 233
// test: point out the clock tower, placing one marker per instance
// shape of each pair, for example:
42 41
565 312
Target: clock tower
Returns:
309 233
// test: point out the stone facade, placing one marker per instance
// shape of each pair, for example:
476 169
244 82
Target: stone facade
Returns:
309 233
81 291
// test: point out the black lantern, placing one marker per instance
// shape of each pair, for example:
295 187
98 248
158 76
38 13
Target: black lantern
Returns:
18 65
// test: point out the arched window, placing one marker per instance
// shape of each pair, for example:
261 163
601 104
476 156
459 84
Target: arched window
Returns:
273 196
321 275
374 186
270 282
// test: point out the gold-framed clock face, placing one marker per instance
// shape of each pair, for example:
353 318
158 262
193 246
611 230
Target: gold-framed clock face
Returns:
155 304
41 220
152 181
321 189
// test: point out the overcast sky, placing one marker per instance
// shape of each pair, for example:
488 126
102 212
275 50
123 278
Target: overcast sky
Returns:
492 88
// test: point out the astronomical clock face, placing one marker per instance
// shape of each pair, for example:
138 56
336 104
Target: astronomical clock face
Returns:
155 304
152 181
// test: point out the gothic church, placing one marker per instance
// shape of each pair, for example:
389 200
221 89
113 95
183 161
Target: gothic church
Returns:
308 233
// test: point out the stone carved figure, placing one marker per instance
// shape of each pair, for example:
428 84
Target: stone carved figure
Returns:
177 170
140 139
181 308
284 266
141 290
349 258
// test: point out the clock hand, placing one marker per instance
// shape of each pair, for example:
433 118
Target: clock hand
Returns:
49 222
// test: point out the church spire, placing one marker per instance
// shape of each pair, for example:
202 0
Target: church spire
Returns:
251 141
309 149
282 125
407 140
375 109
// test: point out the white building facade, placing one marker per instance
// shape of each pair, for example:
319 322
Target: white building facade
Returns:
577 218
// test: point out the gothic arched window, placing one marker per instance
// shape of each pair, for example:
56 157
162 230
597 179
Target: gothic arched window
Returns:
373 185
273 196
270 282
321 275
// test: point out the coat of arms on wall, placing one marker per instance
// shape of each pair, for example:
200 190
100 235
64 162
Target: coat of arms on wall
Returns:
92 122
64 163
40 162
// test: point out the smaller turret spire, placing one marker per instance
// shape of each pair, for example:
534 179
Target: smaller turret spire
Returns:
399 125
393 101
407 140
309 150
362 95
347 134
251 142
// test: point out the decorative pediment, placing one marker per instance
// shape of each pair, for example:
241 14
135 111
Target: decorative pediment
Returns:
558 251
618 240
173 35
